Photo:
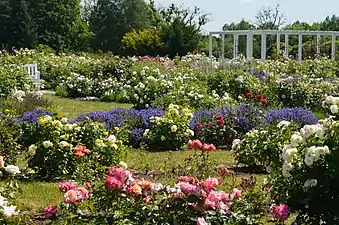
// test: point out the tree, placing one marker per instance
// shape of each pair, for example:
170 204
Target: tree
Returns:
21 29
270 18
5 13
55 20
181 29
111 20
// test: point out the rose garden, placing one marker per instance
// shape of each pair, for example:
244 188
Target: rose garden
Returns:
162 141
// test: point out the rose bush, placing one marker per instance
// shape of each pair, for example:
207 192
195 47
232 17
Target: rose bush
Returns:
58 148
171 131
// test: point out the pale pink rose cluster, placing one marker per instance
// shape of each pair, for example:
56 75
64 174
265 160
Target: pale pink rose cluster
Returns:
120 179
72 193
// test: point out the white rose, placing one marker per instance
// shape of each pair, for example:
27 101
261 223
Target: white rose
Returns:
289 153
63 144
334 109
12 169
174 128
283 123
47 144
9 210
310 183
146 132
163 138
123 164
329 99
111 139
32 149
295 140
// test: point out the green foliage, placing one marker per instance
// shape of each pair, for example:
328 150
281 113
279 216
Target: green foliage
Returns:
170 131
21 28
262 148
144 42
83 150
111 20
13 78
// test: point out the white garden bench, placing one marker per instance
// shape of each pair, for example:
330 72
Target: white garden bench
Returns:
33 73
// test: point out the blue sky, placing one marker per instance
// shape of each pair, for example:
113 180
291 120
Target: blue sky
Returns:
227 11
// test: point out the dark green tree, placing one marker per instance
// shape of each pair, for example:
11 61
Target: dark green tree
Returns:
181 29
111 20
55 20
21 30
5 13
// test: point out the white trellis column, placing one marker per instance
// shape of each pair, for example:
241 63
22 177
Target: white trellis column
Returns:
235 45
222 46
249 45
263 47
278 44
210 45
334 37
318 44
300 47
286 45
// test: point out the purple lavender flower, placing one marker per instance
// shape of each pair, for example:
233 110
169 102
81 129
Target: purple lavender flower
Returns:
300 116
32 117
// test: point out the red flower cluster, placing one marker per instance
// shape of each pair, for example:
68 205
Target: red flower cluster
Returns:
259 98
196 144
220 122
81 150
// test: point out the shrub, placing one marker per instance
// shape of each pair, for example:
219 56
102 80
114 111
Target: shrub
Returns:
61 148
307 180
13 78
143 42
169 132
261 148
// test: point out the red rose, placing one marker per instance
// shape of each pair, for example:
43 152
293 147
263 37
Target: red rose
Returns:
200 126
249 95
221 122
218 116
211 126
264 101
260 96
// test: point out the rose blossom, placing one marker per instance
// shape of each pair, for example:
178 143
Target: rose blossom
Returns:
281 212
201 221
2 162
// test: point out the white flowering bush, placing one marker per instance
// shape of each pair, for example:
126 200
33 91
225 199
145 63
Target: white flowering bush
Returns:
171 131
58 148
262 148
331 104
8 189
308 179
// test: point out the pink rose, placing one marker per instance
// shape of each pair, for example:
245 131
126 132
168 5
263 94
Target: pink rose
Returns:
50 211
190 144
201 221
281 212
70 196
236 193
2 162
66 186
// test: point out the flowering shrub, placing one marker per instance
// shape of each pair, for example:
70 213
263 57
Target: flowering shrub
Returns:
125 199
8 188
222 126
307 179
332 105
171 131
261 148
60 148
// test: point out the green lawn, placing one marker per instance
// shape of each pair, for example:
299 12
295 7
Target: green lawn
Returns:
72 108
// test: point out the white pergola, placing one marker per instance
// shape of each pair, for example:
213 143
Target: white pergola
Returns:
249 34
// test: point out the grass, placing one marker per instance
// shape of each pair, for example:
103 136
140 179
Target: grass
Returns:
71 108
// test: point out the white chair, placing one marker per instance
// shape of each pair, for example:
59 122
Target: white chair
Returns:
33 73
